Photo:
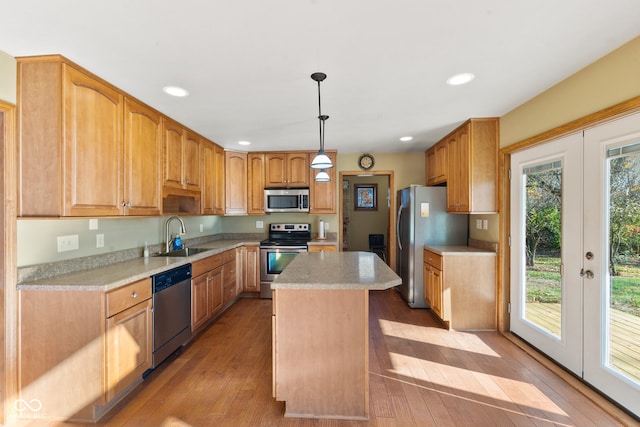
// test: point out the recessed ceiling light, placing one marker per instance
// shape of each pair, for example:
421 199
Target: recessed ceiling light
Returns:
460 79
244 142
406 138
175 91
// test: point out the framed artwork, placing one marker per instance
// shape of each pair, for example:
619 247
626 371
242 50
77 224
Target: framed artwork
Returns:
366 197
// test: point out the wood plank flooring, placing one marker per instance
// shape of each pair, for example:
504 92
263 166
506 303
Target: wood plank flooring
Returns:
420 375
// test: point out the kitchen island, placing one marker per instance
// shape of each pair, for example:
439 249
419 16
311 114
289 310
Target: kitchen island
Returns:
321 333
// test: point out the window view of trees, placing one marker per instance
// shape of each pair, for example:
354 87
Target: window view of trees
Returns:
543 228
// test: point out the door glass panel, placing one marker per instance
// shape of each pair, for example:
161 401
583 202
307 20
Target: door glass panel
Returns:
543 219
623 284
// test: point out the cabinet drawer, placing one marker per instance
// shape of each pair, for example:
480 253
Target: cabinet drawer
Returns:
229 291
229 256
127 296
229 272
204 265
433 259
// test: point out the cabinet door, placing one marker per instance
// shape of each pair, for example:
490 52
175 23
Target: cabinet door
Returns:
298 169
441 163
275 169
93 114
256 184
208 182
458 190
191 162
430 166
235 165
215 291
436 286
173 135
323 194
128 347
142 159
252 269
199 301
219 204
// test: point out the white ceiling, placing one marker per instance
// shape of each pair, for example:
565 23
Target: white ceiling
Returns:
247 63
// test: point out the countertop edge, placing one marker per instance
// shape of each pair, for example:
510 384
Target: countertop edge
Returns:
460 250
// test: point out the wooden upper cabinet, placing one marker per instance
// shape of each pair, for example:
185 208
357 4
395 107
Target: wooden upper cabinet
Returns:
255 196
472 174
71 140
219 196
287 169
437 163
181 157
235 165
142 159
208 184
323 194
191 166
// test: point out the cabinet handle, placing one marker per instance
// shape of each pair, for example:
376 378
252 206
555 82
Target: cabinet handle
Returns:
134 294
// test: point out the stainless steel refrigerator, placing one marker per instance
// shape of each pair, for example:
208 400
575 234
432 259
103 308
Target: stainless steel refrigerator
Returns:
423 220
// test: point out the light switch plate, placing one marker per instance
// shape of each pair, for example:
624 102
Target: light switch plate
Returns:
485 224
259 224
479 224
93 224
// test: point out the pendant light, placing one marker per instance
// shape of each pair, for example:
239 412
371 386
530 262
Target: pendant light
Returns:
321 160
322 176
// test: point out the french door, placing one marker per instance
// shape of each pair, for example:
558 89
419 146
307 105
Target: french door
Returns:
575 254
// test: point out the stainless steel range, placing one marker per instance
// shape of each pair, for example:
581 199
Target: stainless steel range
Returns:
284 243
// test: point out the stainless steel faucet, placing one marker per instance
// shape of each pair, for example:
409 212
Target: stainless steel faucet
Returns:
167 237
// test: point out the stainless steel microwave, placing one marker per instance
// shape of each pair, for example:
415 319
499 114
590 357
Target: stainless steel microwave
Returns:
286 200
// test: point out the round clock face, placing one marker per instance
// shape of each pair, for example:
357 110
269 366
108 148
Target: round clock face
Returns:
366 161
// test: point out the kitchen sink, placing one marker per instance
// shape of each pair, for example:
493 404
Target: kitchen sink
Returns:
183 252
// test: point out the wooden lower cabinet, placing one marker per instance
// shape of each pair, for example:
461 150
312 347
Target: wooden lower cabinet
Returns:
80 352
206 290
251 268
460 288
322 248
229 277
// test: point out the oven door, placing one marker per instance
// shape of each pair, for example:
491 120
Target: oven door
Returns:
274 259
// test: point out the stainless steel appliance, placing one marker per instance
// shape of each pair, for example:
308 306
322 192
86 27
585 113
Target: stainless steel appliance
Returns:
423 220
171 311
286 200
284 243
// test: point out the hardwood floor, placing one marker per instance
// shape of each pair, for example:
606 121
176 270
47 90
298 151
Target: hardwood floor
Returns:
420 375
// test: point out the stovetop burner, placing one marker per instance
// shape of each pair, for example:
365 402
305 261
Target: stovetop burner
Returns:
288 235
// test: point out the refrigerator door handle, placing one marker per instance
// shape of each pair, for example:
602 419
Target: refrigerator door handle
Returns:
398 227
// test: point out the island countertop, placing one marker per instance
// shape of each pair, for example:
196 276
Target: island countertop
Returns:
337 270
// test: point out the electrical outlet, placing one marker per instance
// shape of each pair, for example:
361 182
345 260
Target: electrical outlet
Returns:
68 243
259 224
326 226
201 228
99 240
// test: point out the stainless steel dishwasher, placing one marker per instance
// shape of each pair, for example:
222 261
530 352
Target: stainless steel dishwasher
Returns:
171 311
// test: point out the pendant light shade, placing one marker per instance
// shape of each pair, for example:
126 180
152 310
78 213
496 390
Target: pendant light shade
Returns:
322 176
321 160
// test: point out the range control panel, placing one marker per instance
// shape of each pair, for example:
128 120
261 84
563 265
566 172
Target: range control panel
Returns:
289 227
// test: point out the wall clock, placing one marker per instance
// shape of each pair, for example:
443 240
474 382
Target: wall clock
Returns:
366 161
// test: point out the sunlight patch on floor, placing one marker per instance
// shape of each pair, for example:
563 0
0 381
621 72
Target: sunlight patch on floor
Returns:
439 337
478 383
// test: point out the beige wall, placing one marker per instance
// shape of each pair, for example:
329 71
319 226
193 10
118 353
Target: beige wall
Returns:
8 73
606 82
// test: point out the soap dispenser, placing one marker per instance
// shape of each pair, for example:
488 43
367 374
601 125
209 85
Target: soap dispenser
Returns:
177 242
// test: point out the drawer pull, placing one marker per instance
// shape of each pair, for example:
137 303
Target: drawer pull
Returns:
134 294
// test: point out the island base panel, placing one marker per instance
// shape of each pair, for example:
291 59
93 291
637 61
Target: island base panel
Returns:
321 353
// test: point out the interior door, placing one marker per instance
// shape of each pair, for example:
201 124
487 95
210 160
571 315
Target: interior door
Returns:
611 260
546 212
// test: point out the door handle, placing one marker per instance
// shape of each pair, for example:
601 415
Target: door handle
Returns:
588 273
398 227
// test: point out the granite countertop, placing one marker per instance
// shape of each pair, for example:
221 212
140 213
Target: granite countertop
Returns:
328 241
337 270
121 273
459 250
